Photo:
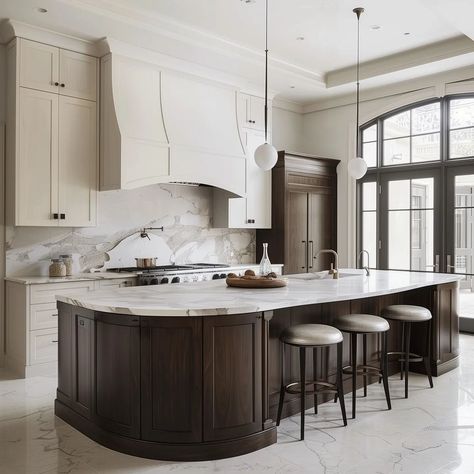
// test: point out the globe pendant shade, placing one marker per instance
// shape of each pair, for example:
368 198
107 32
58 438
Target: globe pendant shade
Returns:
266 156
357 167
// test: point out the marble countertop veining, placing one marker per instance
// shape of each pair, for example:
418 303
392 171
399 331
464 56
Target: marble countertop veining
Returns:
215 298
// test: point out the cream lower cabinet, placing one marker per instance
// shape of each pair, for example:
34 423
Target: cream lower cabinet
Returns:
32 322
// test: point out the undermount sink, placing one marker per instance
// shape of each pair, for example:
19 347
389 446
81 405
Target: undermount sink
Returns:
321 276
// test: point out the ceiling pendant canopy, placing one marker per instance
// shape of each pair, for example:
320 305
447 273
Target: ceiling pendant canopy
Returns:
265 155
357 167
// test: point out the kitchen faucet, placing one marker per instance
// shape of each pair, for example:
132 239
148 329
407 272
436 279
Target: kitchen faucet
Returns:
366 268
335 271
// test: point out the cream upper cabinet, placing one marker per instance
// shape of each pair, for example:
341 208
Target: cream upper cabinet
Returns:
52 69
251 111
37 158
52 146
78 164
38 65
77 75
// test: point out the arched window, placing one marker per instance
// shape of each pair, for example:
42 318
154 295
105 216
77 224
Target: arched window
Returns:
416 202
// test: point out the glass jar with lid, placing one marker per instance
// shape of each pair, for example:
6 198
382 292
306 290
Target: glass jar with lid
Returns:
67 260
57 268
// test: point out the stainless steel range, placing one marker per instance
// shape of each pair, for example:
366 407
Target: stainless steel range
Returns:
164 274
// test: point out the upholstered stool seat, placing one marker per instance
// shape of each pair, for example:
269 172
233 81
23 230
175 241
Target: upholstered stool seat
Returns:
365 324
361 323
408 315
315 336
311 335
407 312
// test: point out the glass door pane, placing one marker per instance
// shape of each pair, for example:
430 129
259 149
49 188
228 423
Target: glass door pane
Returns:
408 214
460 220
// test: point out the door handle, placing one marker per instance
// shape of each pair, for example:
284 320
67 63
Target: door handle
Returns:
305 253
436 265
448 264
311 254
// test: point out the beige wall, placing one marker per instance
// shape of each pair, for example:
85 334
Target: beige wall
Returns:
330 132
2 229
287 129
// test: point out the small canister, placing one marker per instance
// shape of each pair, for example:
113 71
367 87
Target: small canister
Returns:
57 268
67 260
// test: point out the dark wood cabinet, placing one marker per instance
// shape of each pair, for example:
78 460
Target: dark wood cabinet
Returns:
117 374
171 356
232 396
304 212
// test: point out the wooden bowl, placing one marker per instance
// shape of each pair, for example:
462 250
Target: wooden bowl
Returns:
256 282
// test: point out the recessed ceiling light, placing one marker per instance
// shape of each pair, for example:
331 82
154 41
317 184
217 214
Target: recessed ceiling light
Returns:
407 33
300 38
375 27
42 10
247 1
292 87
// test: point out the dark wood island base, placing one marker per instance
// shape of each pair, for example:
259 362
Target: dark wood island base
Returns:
206 387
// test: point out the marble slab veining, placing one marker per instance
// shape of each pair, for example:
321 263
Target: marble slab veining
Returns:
215 298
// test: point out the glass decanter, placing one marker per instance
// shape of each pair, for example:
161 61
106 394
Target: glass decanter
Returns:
265 264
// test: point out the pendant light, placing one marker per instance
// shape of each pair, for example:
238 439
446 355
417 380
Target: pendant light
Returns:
265 155
357 166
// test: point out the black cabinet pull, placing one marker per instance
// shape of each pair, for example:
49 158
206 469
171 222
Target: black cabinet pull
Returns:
56 83
55 215
63 85
62 216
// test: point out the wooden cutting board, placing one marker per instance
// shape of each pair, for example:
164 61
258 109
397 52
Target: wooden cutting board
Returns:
256 282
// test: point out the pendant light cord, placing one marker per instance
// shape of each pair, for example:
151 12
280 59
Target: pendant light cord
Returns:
266 69
358 12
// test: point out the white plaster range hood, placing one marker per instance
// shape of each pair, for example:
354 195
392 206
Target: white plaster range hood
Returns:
163 125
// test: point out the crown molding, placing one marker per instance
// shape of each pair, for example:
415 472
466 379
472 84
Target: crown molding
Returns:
407 59
286 104
10 29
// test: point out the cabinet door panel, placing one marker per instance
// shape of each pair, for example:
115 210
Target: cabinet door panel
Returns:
259 186
297 232
320 230
171 364
117 390
78 73
37 160
77 162
39 65
257 112
232 376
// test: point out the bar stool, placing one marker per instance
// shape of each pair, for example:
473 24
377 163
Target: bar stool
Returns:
306 336
364 324
408 315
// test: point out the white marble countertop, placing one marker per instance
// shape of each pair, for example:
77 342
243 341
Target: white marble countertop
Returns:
41 280
215 298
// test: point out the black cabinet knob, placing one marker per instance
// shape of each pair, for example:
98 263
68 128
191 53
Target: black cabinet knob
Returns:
164 280
63 85
154 281
62 216
56 83
215 276
222 275
175 280
55 215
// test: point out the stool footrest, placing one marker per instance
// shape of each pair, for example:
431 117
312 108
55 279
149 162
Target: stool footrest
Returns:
364 370
412 356
326 387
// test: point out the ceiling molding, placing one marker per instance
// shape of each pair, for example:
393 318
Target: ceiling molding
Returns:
396 62
289 105
457 76
12 28
164 26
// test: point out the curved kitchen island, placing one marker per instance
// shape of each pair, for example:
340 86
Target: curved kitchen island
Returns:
192 371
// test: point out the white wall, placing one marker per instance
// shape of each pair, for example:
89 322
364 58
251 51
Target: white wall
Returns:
2 190
329 131
287 129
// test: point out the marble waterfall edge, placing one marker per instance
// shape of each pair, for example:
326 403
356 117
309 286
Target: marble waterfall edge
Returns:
188 236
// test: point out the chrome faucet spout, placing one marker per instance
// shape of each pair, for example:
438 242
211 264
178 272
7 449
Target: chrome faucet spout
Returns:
361 261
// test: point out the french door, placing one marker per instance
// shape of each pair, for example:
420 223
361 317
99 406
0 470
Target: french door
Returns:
411 220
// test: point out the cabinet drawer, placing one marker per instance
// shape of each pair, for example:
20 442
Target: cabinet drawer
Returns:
117 283
47 293
43 346
43 316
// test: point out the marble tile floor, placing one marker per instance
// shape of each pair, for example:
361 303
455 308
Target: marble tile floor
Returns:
431 432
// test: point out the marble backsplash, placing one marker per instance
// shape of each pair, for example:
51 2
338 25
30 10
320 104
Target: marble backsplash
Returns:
184 211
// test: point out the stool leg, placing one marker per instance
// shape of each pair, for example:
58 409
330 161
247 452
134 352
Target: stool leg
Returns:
427 359
354 372
402 345
339 383
407 355
303 386
315 377
282 387
384 369
364 355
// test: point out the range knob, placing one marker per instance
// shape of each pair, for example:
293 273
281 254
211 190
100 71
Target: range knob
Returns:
164 280
215 276
154 281
222 275
175 280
